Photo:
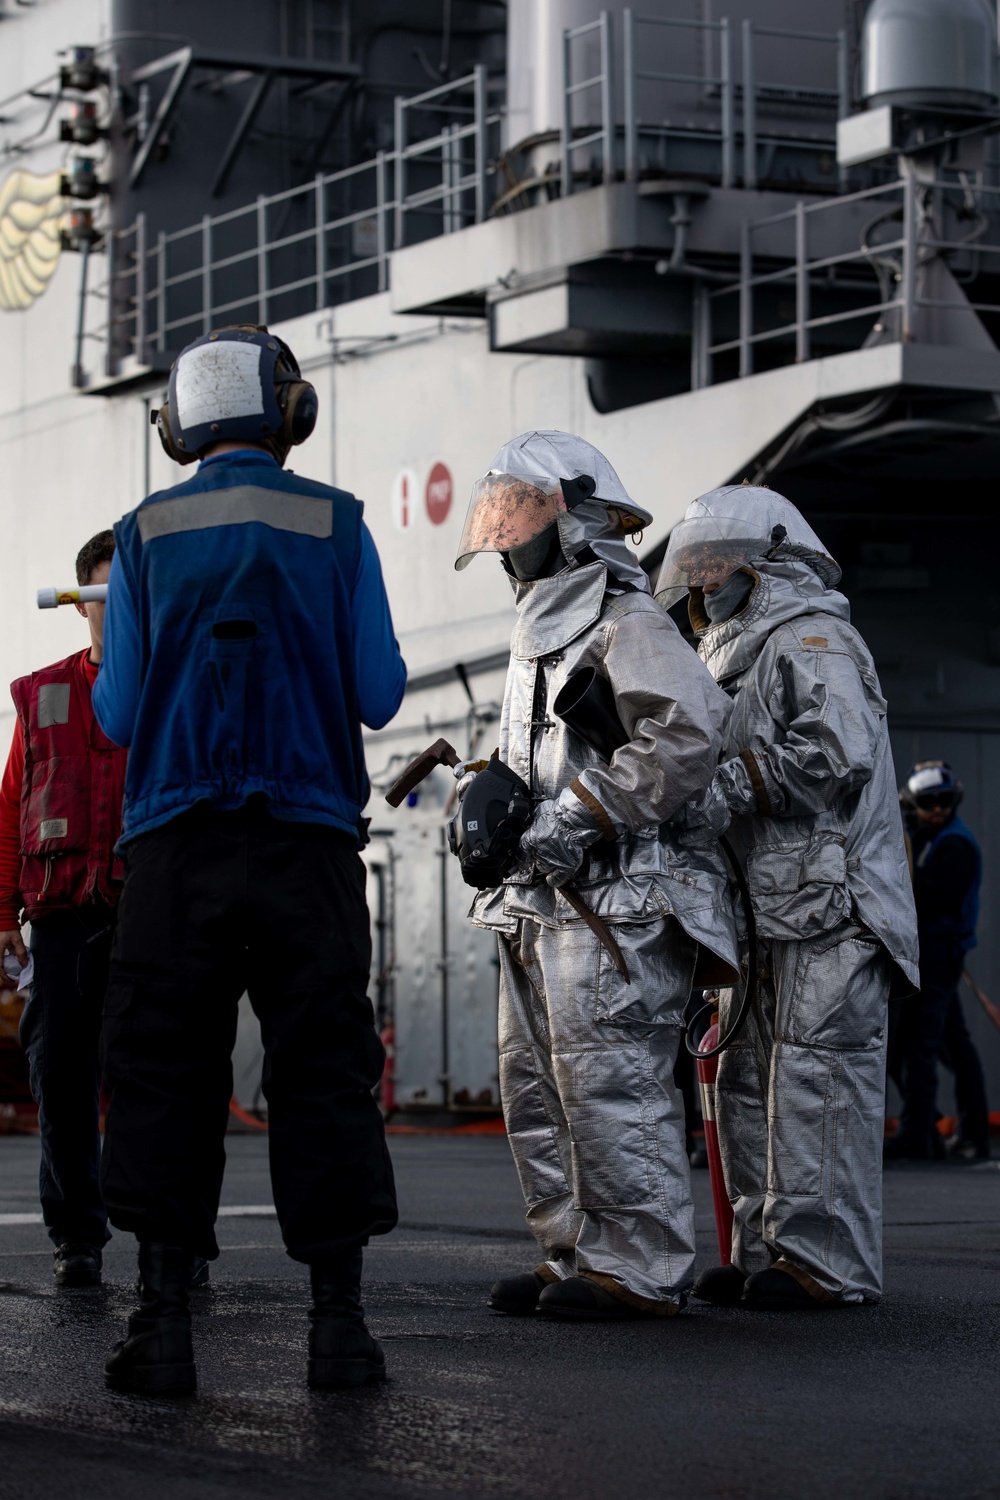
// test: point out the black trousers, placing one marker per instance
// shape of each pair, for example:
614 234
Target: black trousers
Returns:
60 1028
932 1028
215 904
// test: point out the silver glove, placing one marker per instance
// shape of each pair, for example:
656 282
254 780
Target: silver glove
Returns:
731 792
559 836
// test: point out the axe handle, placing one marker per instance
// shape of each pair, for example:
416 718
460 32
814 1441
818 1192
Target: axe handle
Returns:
441 753
600 929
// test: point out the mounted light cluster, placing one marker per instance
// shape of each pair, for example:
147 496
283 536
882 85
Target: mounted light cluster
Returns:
80 182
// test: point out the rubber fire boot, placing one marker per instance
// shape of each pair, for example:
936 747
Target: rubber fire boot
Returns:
786 1288
518 1295
77 1264
581 1299
341 1350
720 1285
156 1358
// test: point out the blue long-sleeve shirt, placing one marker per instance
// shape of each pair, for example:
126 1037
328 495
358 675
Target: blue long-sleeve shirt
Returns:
247 636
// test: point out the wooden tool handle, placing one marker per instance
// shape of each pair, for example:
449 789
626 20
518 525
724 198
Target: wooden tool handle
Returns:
438 754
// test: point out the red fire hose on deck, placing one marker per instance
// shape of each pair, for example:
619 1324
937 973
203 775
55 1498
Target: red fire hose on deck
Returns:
708 1068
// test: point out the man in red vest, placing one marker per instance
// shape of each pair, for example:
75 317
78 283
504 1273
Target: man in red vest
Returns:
60 816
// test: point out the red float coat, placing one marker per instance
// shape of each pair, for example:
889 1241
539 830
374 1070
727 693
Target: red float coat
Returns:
60 798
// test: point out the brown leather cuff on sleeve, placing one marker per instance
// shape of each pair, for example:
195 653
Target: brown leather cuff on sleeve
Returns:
757 781
595 809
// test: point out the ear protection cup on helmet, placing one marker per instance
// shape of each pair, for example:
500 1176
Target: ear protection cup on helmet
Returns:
160 419
301 410
297 399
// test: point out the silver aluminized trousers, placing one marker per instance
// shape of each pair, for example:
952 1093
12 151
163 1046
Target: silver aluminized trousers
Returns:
801 1103
594 1120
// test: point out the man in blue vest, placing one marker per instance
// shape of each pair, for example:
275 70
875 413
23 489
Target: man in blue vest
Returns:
947 870
247 639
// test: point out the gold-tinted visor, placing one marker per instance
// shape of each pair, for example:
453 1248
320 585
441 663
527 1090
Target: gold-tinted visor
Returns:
702 551
507 510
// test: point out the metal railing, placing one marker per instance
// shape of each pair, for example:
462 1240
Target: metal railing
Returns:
331 239
730 110
303 248
723 81
603 80
836 100
887 281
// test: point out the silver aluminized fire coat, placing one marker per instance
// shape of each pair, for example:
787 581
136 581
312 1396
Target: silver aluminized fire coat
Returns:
593 1117
808 774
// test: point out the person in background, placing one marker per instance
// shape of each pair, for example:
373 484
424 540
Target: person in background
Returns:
248 638
60 816
947 872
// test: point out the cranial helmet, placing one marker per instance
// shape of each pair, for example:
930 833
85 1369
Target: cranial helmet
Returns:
554 479
735 525
240 384
931 783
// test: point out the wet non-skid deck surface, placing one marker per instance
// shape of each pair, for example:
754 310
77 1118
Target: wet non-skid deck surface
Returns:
896 1401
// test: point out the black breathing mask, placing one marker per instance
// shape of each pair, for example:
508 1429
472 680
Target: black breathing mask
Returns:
486 830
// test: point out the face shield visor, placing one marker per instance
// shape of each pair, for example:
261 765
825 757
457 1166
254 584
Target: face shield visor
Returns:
705 550
506 511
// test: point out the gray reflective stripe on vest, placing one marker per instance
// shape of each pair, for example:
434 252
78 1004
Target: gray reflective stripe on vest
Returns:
305 514
53 704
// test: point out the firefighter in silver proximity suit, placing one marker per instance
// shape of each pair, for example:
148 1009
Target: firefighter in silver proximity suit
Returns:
807 792
586 1058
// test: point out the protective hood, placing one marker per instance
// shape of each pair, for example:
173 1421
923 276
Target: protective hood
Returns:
532 469
730 527
785 590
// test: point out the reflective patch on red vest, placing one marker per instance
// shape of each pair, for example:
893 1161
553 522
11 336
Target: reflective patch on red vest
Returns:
53 704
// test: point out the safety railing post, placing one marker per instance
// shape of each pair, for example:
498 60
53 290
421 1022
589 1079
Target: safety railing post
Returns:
380 212
631 123
261 258
908 272
726 86
479 138
801 283
400 113
746 299
608 126
749 108
843 93
566 140
206 274
140 288
320 210
161 292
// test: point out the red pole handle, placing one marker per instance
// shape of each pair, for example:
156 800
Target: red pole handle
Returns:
708 1069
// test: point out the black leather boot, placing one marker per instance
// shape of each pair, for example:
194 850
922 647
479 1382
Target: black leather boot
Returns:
156 1358
341 1350
518 1295
77 1264
721 1285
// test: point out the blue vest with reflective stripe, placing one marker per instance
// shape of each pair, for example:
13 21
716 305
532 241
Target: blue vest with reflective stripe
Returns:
962 928
242 578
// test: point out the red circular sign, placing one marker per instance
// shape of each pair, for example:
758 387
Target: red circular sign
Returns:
437 495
